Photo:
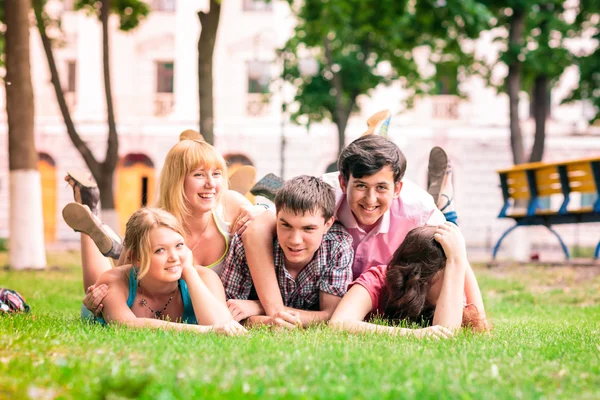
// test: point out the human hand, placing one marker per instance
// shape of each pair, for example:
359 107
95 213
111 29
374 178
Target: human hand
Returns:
244 217
186 259
93 299
231 328
242 309
285 319
452 241
436 332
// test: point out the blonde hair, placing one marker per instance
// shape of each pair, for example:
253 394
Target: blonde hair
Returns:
181 160
137 235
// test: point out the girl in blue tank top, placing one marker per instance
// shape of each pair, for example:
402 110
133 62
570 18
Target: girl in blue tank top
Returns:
161 287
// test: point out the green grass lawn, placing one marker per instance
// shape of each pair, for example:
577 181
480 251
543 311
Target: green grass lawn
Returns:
545 344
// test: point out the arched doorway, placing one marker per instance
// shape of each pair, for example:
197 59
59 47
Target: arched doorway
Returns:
47 168
234 162
135 185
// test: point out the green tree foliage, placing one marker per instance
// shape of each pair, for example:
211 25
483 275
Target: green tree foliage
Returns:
351 38
534 37
589 64
130 12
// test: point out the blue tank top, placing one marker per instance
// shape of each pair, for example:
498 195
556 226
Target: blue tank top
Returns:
189 317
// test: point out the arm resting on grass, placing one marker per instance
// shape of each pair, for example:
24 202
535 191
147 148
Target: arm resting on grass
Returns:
328 304
355 306
207 294
117 312
258 244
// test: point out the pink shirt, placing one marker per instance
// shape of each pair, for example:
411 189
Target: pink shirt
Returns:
373 280
413 208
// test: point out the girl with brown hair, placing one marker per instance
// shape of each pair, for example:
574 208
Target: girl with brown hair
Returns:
428 281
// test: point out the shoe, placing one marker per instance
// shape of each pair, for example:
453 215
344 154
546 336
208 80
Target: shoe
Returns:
242 179
85 191
80 219
267 186
438 164
378 123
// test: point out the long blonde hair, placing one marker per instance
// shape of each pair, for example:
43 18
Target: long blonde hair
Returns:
137 235
181 160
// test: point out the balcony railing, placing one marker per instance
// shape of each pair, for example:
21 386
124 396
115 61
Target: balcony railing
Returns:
444 107
257 104
163 104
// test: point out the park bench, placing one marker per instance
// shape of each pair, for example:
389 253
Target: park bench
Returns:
531 183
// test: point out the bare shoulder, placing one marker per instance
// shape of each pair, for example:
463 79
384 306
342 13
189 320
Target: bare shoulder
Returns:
206 273
232 201
116 276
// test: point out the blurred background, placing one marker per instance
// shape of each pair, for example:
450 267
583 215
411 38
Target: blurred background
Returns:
283 85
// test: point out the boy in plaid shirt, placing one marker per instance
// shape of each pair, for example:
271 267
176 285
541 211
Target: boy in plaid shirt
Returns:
313 259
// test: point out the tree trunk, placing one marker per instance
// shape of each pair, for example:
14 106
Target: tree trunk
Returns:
340 118
206 45
79 144
540 113
513 83
26 219
105 180
342 111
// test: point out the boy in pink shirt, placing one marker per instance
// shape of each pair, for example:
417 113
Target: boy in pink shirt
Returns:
374 203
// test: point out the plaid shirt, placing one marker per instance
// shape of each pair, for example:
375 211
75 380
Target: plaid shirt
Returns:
329 271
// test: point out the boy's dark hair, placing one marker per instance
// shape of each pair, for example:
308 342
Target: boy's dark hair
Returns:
304 194
368 154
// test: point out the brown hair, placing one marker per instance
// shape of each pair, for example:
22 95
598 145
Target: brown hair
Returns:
137 235
367 155
410 275
304 194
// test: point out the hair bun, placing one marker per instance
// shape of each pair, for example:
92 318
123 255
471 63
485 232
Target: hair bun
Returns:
190 134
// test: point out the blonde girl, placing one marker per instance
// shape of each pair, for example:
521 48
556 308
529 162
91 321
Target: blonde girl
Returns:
193 187
159 286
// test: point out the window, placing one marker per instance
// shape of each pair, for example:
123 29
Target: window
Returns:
164 77
71 77
258 5
259 77
446 79
164 5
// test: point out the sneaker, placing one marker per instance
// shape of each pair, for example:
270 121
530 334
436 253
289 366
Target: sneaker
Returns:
378 123
85 191
438 164
267 186
80 219
242 179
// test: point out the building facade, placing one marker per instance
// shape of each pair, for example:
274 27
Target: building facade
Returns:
155 90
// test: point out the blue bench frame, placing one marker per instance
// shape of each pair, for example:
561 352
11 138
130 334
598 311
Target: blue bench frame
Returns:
562 216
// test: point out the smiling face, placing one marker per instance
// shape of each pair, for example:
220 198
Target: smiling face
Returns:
168 254
371 196
300 236
202 187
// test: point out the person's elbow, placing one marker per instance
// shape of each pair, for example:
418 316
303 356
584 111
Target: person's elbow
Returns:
260 228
